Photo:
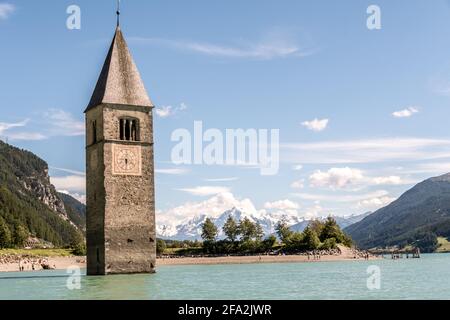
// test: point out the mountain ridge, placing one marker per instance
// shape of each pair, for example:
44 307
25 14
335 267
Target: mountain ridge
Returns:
191 229
29 202
422 210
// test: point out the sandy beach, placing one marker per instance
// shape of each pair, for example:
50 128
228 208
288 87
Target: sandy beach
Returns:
346 254
254 259
36 264
11 264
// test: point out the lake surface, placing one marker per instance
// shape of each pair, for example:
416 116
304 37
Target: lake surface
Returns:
425 278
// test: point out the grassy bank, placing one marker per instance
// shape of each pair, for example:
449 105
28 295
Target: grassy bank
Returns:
37 252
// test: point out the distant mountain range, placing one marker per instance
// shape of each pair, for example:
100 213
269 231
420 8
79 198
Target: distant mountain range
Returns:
424 209
192 229
28 199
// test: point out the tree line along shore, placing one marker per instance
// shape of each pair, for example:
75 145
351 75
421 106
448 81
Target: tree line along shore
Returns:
243 242
245 237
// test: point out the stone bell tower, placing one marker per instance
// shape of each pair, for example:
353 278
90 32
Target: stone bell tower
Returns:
121 235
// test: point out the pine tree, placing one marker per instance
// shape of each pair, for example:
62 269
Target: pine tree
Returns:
331 230
5 234
209 230
231 229
311 239
20 236
247 229
160 246
283 231
259 232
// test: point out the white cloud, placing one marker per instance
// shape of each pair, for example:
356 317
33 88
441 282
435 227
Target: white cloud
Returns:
297 167
282 205
316 124
273 45
299 184
79 197
169 111
212 207
341 198
375 203
6 126
406 113
336 178
63 123
75 172
340 178
219 203
27 136
164 112
73 183
205 190
174 171
6 9
5 129
390 180
53 122
263 51
314 212
366 151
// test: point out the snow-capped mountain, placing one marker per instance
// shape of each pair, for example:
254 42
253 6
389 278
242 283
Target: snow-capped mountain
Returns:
192 229
343 222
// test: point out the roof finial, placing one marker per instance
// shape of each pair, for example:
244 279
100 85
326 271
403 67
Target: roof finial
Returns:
118 13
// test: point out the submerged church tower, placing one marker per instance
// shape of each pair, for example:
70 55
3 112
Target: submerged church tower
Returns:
120 231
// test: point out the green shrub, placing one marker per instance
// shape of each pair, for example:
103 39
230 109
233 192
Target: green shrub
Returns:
329 244
160 246
79 250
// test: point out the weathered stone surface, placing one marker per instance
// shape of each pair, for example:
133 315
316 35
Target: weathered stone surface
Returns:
121 231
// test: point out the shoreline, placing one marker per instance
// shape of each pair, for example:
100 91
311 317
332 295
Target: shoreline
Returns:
65 262
34 264
31 264
254 260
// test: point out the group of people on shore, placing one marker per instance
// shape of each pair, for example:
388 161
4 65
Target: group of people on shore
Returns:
315 254
358 254
27 263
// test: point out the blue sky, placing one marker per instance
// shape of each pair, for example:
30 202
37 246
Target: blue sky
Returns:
245 64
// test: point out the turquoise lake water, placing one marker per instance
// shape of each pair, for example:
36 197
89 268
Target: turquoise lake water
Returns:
425 278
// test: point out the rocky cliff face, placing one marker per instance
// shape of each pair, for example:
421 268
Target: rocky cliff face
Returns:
30 201
41 187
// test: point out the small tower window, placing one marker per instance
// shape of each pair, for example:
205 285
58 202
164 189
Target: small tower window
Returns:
129 129
94 131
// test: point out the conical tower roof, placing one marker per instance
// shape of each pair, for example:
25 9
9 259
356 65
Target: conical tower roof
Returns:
120 81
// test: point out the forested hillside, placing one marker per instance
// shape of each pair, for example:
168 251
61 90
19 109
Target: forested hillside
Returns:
29 204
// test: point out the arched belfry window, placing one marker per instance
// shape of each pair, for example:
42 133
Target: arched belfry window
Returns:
129 129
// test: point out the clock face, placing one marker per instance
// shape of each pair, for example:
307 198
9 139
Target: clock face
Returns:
126 160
